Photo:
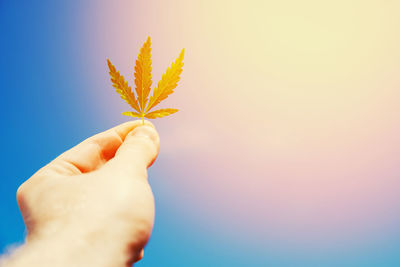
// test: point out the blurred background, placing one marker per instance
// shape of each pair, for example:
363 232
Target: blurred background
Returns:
285 150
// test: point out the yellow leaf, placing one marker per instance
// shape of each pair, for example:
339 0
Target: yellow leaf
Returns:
143 81
168 82
132 114
160 113
122 86
143 74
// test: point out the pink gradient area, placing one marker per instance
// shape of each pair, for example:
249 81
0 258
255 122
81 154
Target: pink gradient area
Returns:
289 119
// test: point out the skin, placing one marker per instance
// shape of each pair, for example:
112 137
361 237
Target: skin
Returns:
92 205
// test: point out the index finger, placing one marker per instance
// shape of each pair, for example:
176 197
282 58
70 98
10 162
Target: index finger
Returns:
93 152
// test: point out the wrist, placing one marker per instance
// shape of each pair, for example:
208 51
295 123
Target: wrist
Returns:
71 247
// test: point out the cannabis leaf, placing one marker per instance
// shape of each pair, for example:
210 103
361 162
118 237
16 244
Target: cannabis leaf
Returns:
142 104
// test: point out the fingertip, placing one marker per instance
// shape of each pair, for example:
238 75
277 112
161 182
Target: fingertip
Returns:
125 128
149 123
145 131
138 151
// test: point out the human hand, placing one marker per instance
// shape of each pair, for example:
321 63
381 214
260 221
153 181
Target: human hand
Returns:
94 200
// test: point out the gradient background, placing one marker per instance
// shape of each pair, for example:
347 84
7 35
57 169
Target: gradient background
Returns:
285 150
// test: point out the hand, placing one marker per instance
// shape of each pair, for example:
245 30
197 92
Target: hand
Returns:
94 199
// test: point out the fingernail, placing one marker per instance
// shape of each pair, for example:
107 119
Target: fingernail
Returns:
145 131
148 123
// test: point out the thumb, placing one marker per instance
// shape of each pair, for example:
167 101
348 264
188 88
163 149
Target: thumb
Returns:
138 151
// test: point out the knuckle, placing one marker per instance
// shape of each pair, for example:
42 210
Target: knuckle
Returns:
143 231
22 191
29 187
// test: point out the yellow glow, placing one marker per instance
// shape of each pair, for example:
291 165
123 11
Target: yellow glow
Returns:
289 102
